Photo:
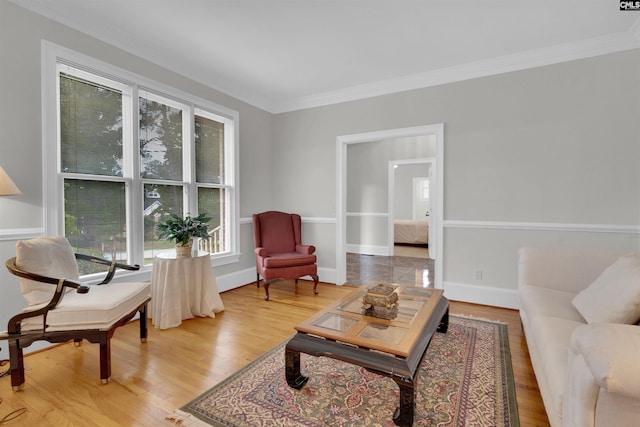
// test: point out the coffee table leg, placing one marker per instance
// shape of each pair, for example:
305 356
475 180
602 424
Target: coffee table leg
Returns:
403 416
292 369
444 322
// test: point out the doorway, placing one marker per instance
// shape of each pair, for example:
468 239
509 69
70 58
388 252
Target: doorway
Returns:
410 206
435 132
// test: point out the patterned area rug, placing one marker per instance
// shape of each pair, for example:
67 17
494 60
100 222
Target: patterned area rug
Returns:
465 379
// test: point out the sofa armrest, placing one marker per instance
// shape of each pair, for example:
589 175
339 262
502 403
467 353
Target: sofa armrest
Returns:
603 379
566 269
611 353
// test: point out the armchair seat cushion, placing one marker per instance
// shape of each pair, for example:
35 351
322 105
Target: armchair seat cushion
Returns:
100 308
288 259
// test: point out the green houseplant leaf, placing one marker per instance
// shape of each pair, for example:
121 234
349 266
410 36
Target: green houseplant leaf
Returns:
181 230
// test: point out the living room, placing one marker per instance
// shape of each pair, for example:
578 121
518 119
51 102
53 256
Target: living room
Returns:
540 151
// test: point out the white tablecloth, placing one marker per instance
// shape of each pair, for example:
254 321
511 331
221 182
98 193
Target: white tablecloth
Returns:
182 288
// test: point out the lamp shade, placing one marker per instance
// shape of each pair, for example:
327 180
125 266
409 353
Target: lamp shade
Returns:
7 187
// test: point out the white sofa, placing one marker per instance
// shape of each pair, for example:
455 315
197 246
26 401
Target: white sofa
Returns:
588 371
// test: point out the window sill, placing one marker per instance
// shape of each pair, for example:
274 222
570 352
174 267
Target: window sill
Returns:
218 260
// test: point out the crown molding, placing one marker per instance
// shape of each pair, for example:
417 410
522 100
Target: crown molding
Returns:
635 30
611 43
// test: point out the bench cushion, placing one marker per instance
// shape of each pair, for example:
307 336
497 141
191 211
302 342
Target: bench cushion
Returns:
100 308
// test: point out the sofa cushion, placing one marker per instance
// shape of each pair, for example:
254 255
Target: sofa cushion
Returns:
552 336
539 301
614 297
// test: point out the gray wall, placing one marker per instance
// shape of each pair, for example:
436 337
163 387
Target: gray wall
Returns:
544 156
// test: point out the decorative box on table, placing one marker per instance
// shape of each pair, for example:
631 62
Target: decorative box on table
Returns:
380 295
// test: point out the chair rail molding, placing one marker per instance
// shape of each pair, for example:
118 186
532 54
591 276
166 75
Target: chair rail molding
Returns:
543 226
14 234
307 219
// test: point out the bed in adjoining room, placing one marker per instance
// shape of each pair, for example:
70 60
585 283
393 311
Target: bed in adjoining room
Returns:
411 232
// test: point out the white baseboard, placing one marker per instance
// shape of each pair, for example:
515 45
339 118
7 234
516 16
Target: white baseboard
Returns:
327 275
236 279
368 250
485 295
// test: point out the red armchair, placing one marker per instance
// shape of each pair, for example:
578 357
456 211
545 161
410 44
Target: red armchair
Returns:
279 251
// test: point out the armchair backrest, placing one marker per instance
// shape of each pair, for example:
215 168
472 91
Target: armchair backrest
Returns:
47 256
277 232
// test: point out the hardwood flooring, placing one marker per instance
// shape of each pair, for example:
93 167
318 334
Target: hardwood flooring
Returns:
406 269
150 380
414 251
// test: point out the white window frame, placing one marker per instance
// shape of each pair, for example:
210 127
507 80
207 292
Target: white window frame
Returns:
53 196
421 185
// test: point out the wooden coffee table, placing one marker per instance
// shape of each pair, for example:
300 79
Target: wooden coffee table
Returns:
389 341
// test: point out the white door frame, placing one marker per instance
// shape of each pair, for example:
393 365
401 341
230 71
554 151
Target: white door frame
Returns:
342 142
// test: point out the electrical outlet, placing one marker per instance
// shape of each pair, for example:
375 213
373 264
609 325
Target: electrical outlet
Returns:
478 274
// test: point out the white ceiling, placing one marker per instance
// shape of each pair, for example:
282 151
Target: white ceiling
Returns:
282 55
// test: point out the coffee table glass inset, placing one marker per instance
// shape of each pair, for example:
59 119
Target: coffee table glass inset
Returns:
387 340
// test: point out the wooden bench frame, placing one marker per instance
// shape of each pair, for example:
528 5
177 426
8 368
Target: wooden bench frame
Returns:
19 340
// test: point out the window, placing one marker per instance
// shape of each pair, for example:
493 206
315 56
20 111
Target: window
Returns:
423 189
122 152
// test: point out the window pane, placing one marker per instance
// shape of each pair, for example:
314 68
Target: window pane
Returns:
90 127
423 189
212 201
160 141
95 219
209 138
159 201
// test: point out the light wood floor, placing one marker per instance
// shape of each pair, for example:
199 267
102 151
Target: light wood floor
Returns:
411 251
150 380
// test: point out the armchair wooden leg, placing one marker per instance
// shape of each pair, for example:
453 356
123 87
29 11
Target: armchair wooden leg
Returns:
143 324
77 342
257 280
266 290
16 364
105 360
315 284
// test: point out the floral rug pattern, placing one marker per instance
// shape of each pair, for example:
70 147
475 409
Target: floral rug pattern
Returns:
465 379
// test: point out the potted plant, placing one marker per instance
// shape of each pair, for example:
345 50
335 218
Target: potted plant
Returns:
182 231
